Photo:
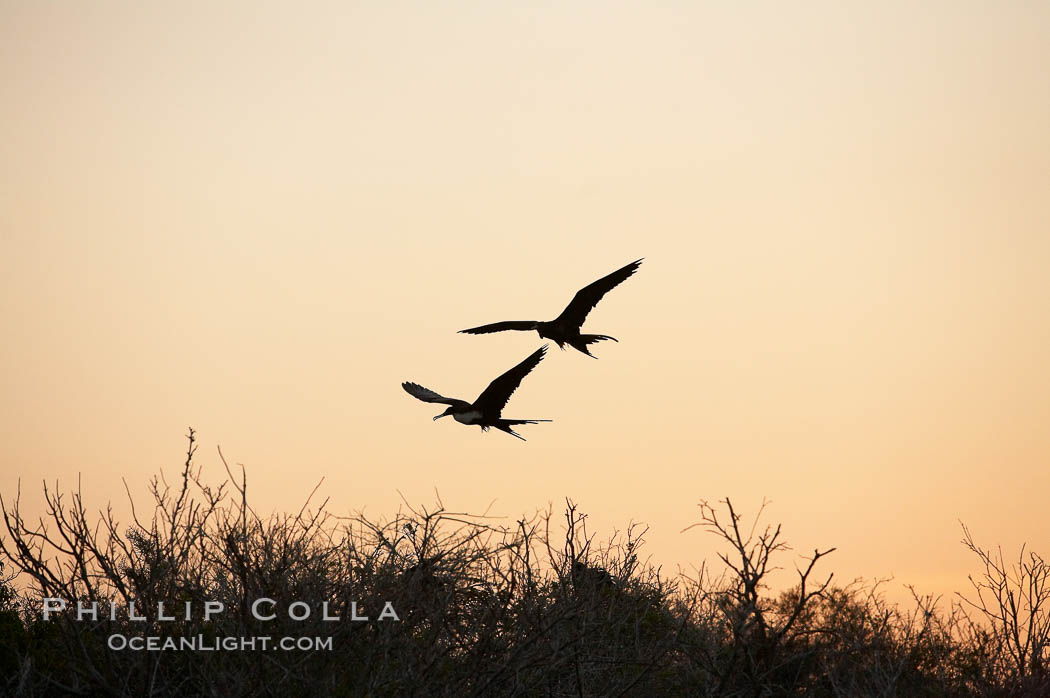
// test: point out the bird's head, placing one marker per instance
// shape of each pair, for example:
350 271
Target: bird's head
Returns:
444 414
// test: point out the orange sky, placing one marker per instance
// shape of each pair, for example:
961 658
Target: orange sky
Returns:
257 219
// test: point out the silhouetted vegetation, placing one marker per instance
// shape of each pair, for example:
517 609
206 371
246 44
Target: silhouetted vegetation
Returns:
539 608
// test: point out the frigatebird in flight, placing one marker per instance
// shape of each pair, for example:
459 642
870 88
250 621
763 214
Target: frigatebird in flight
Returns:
565 329
485 411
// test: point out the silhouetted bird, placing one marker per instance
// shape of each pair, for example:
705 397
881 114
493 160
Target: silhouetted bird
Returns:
590 578
485 411
565 329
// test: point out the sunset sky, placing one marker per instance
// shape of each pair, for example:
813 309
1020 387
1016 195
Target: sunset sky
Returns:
258 219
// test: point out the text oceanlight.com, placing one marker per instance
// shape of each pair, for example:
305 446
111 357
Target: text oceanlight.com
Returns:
199 643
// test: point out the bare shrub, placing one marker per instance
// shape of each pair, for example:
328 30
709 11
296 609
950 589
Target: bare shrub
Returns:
1012 644
751 644
540 607
484 609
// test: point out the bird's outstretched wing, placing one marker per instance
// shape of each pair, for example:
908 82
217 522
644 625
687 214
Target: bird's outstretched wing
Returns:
494 398
426 395
501 326
588 296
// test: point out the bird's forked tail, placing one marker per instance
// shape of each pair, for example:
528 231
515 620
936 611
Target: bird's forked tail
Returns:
587 339
506 424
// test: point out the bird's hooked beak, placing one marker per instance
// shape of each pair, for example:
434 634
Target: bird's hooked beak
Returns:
443 414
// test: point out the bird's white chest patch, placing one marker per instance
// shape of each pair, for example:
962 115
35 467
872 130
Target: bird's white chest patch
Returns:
472 417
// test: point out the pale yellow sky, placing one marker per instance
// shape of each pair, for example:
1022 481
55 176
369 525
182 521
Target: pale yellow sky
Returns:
257 219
